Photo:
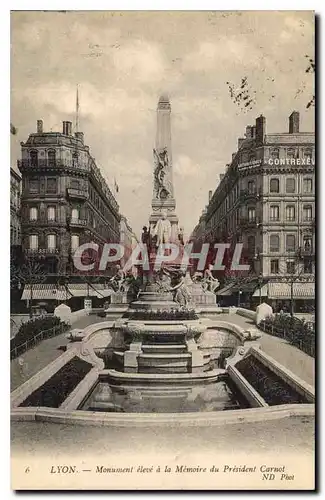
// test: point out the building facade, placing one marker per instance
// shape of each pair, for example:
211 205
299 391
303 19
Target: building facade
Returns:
127 239
15 193
65 200
266 200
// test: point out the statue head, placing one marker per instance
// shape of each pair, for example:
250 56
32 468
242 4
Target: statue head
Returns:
164 214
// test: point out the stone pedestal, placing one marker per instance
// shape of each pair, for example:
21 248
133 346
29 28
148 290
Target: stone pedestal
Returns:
197 360
263 311
131 358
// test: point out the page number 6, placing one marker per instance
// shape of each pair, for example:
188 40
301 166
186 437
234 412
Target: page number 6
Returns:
27 470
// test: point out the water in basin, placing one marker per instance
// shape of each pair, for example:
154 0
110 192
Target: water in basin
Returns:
214 396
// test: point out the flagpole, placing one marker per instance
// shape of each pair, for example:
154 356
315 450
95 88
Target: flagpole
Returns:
77 109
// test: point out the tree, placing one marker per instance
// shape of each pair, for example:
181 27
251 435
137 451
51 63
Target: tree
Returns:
30 273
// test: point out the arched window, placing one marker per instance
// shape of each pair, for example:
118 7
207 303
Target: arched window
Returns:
274 243
51 157
290 243
33 155
50 213
290 212
274 185
308 153
290 153
33 213
251 187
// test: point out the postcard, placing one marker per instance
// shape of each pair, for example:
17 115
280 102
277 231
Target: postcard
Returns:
162 250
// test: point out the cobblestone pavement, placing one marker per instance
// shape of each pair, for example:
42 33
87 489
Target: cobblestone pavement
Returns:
44 353
288 355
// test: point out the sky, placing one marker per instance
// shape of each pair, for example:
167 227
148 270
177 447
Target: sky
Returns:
123 61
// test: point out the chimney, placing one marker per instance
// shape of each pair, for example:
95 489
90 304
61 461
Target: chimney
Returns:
210 195
253 131
260 129
40 126
221 176
240 141
233 156
67 128
79 136
294 122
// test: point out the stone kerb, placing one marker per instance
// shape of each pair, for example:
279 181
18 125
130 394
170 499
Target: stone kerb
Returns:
237 330
24 390
288 376
247 313
202 419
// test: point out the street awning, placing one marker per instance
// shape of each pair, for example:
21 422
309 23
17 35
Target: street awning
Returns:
261 292
283 291
45 292
91 290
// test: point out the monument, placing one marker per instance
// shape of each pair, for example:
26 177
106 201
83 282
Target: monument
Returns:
163 202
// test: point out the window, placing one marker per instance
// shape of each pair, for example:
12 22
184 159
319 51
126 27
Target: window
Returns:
74 242
290 185
33 185
251 187
307 212
75 213
290 212
33 241
290 153
51 213
51 185
308 154
274 243
274 212
51 157
74 184
308 185
251 214
33 213
290 243
275 154
51 241
291 268
308 244
251 243
308 265
274 266
33 158
274 185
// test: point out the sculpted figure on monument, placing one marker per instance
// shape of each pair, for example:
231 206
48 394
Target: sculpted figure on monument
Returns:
163 229
118 280
181 292
162 184
209 282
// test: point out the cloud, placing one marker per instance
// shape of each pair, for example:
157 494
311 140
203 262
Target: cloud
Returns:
185 167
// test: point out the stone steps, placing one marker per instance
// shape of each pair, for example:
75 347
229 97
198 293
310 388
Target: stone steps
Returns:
164 348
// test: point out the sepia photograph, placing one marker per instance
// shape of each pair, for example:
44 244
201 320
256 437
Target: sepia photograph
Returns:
162 250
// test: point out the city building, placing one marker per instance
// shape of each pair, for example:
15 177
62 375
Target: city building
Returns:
65 199
266 200
15 192
127 239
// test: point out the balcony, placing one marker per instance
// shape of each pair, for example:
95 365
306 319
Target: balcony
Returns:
246 222
77 222
46 163
78 194
42 251
245 194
